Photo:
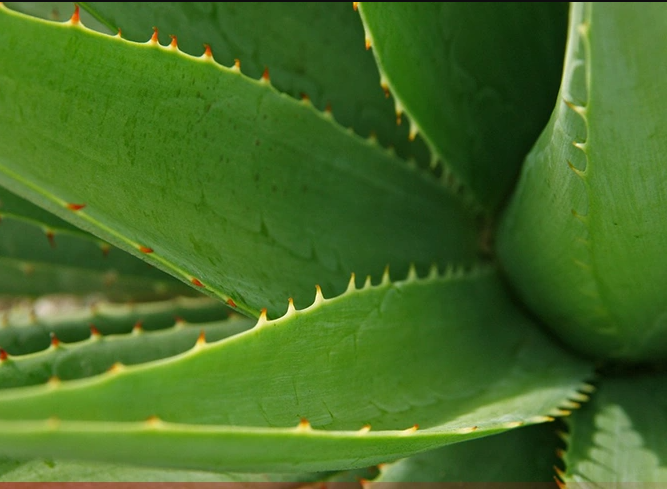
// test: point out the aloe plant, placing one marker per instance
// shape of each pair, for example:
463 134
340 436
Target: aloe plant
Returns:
417 225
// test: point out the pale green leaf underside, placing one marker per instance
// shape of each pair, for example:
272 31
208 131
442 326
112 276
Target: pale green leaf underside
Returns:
521 455
40 260
450 354
229 182
478 82
620 435
98 353
24 332
312 48
595 270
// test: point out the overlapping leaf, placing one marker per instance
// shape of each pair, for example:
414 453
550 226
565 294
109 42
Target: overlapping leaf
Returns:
463 371
477 82
228 183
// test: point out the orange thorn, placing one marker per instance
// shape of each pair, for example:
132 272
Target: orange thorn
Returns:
365 483
120 33
138 326
115 368
75 207
145 249
399 119
231 302
196 282
154 38
207 51
355 5
174 42
201 339
304 424
179 320
305 97
3 355
94 331
52 238
368 44
55 342
385 89
327 109
75 19
265 75
237 64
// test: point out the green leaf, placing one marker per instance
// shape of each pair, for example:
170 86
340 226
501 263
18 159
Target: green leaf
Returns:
22 331
594 187
229 182
478 82
99 353
39 260
236 404
522 455
619 435
312 48
59 471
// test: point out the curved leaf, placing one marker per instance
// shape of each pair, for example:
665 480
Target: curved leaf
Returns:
620 435
374 357
228 183
312 48
478 82
595 187
22 331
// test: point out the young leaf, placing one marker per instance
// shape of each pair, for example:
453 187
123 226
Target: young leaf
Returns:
584 237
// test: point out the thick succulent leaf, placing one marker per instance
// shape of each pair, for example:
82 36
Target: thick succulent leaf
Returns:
522 455
620 435
22 331
594 187
36 260
478 82
313 48
450 355
99 353
226 182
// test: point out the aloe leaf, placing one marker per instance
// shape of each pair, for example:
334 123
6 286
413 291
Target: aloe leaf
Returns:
619 436
40 260
522 455
479 101
99 353
311 48
594 187
13 205
22 331
377 375
210 175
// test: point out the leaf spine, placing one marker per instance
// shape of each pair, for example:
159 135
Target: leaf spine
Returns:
75 19
196 282
145 249
154 38
55 342
230 302
304 425
237 65
352 285
4 356
208 54
51 237
410 430
364 429
265 75
174 42
319 297
95 333
75 207
262 320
